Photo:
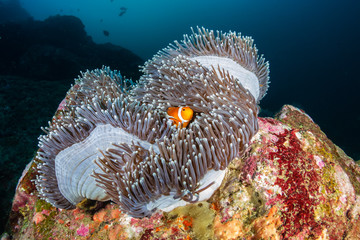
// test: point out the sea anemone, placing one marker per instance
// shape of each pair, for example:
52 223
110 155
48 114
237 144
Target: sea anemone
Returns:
114 141
97 113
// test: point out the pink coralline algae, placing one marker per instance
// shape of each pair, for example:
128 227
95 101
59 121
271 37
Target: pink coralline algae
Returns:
83 230
319 162
38 218
292 183
148 223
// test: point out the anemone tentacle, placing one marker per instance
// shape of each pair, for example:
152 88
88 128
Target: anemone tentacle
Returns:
114 141
220 132
80 126
205 43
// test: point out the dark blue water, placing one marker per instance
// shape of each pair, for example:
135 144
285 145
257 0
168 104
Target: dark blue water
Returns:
312 46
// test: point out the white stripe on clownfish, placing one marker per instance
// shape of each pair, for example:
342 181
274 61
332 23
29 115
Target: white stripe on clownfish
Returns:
180 116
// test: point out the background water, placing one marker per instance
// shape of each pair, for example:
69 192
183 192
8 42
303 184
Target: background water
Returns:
312 46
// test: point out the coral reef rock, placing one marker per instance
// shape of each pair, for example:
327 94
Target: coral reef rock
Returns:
293 183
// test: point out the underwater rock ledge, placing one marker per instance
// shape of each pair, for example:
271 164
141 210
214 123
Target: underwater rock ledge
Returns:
293 183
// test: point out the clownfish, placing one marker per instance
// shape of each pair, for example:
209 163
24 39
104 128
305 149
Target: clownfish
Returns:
180 115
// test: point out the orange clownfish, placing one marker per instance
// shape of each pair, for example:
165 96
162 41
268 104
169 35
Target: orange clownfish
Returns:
180 115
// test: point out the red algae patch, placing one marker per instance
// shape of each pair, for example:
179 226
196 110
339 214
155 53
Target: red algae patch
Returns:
299 185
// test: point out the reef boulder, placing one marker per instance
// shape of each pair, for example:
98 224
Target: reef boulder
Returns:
293 183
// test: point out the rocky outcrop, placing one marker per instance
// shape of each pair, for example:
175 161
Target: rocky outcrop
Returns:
293 183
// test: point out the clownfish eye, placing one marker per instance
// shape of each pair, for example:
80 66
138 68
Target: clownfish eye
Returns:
183 109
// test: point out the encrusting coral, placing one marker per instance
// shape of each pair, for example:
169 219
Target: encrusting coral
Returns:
293 183
113 140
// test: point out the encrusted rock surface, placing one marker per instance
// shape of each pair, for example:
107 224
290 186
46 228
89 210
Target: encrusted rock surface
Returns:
293 183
